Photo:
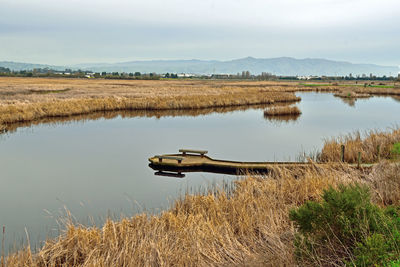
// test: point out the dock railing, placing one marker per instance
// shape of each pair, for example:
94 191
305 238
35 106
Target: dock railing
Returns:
193 151
160 158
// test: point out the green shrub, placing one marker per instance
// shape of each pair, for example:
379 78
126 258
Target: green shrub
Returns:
395 263
346 228
396 150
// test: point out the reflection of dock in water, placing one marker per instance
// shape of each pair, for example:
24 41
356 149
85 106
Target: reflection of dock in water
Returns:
170 174
197 161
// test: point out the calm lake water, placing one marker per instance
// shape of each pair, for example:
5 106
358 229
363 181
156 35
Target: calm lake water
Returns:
99 168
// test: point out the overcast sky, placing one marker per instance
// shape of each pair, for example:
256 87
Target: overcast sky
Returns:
69 32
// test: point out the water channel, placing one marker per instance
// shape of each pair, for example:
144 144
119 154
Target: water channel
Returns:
99 168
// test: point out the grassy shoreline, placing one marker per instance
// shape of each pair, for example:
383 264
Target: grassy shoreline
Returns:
249 225
35 111
32 99
24 100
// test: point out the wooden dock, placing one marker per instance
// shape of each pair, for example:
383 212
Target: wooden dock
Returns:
196 161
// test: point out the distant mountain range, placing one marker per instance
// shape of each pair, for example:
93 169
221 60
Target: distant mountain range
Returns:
277 66
27 66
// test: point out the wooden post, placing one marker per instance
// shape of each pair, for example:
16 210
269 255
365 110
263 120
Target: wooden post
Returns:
359 160
342 153
379 152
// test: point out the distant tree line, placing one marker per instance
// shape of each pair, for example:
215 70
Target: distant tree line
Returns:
69 73
127 76
244 75
265 76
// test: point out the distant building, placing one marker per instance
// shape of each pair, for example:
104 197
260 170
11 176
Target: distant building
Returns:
307 77
186 75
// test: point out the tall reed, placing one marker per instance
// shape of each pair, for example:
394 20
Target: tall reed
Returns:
282 110
372 146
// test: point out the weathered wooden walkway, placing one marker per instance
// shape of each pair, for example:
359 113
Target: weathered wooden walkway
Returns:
196 160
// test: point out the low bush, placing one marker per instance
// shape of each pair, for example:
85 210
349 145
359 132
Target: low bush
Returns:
345 228
396 150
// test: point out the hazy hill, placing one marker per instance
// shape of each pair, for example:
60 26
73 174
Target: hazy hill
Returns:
278 66
27 66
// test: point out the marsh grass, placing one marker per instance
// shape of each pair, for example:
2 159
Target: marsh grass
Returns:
246 225
373 146
351 94
34 99
18 113
249 225
282 111
30 99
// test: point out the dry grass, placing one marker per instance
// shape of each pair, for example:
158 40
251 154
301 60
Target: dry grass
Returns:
281 111
351 94
130 114
29 112
249 226
33 99
374 145
30 99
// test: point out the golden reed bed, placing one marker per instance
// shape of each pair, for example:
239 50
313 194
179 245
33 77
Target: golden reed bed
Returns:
374 146
249 226
245 225
23 100
31 99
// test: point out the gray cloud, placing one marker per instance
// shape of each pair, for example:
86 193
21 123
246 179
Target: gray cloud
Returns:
67 32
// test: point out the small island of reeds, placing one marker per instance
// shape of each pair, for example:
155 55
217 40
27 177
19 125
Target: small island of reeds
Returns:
282 111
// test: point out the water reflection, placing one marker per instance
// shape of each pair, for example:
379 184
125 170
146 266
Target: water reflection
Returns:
349 101
279 119
170 174
131 114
